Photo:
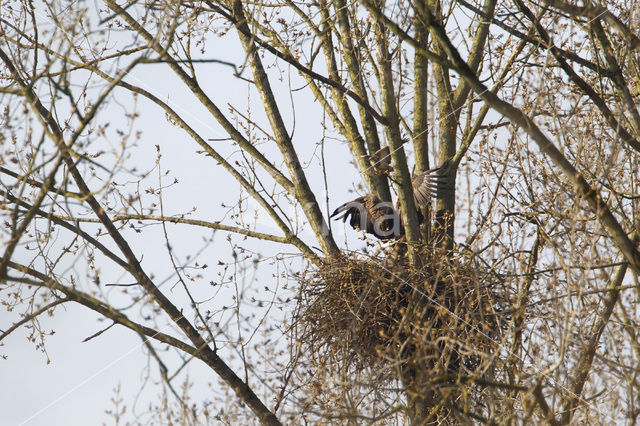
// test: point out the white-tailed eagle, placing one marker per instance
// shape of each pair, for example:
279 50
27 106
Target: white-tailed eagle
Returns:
382 219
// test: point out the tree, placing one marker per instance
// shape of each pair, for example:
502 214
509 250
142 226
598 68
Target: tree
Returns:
517 298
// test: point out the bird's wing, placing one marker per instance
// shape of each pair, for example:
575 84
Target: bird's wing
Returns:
426 185
370 215
352 208
345 208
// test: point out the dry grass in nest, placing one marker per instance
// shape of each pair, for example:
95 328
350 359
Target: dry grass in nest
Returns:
444 316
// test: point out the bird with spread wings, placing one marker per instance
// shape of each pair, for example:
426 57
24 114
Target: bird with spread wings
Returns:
381 218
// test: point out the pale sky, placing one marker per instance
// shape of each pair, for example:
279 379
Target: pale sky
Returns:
77 386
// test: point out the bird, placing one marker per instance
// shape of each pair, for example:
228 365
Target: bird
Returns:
380 161
381 218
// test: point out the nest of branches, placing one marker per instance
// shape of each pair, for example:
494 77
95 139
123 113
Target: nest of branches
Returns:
444 317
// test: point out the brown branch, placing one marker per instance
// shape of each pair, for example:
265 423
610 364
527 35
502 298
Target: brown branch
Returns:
476 54
195 88
582 187
581 371
533 41
356 75
470 135
17 232
75 295
303 192
75 229
420 101
38 184
182 220
596 12
46 118
542 402
347 124
523 298
398 157
448 121
403 35
31 316
597 100
220 159
242 390
616 73
236 136
290 60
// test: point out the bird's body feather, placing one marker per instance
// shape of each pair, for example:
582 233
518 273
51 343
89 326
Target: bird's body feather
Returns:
371 215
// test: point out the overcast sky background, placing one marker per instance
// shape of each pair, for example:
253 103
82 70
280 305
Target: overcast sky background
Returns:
78 384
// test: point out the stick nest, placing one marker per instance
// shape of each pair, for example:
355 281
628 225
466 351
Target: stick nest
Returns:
446 315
